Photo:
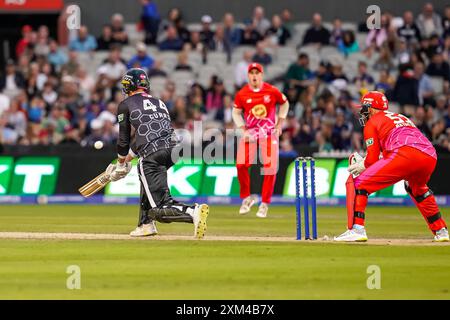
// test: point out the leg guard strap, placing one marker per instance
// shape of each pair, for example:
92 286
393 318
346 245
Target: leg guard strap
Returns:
421 198
434 218
362 192
359 214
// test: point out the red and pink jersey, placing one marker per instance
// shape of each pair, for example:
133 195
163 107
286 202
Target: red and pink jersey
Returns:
387 131
259 108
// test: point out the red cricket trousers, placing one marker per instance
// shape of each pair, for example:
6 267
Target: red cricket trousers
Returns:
411 165
246 157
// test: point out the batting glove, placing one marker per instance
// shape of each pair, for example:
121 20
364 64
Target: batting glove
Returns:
110 169
121 171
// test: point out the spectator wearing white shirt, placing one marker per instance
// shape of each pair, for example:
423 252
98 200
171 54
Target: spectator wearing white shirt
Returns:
260 22
4 103
12 81
426 90
16 118
241 70
114 67
429 22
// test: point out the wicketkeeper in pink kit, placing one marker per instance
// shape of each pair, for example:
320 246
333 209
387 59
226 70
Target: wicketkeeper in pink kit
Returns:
407 155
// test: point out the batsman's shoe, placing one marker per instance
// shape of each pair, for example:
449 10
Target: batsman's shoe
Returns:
262 210
145 230
352 235
199 218
441 236
247 204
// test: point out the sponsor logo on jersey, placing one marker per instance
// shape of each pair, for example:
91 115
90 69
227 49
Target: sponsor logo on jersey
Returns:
369 142
259 111
120 117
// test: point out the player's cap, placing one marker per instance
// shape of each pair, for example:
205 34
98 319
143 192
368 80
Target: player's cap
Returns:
374 99
206 19
256 66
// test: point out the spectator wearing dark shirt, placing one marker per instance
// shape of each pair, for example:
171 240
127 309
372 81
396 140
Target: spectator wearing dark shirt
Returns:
317 33
105 41
249 35
298 74
419 120
409 31
446 22
118 29
277 33
337 32
232 33
341 134
406 89
150 19
206 34
183 32
218 41
261 56
363 78
438 67
12 81
172 41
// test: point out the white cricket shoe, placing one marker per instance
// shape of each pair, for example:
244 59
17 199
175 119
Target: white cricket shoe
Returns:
352 235
199 217
145 230
441 236
247 204
262 210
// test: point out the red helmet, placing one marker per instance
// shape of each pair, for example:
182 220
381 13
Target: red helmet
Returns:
375 99
372 99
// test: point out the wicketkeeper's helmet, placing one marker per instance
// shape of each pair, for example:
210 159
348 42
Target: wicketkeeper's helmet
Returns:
135 79
372 99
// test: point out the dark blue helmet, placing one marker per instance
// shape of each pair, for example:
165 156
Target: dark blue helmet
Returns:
135 79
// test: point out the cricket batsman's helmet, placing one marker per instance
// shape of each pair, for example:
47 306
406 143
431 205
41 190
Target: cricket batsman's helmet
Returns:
372 99
135 79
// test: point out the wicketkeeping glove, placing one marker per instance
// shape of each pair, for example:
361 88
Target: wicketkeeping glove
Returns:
121 170
357 168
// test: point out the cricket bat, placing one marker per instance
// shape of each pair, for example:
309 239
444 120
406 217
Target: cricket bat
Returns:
95 185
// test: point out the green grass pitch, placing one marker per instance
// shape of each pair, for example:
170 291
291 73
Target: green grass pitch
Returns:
127 269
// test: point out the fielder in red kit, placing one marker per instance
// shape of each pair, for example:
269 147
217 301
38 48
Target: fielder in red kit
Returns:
406 155
255 113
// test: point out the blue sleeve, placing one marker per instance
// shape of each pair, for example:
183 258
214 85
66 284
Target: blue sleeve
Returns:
93 43
73 45
131 62
236 37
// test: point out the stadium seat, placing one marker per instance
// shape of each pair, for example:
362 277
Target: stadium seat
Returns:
205 73
361 39
157 85
217 57
274 70
169 60
350 26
